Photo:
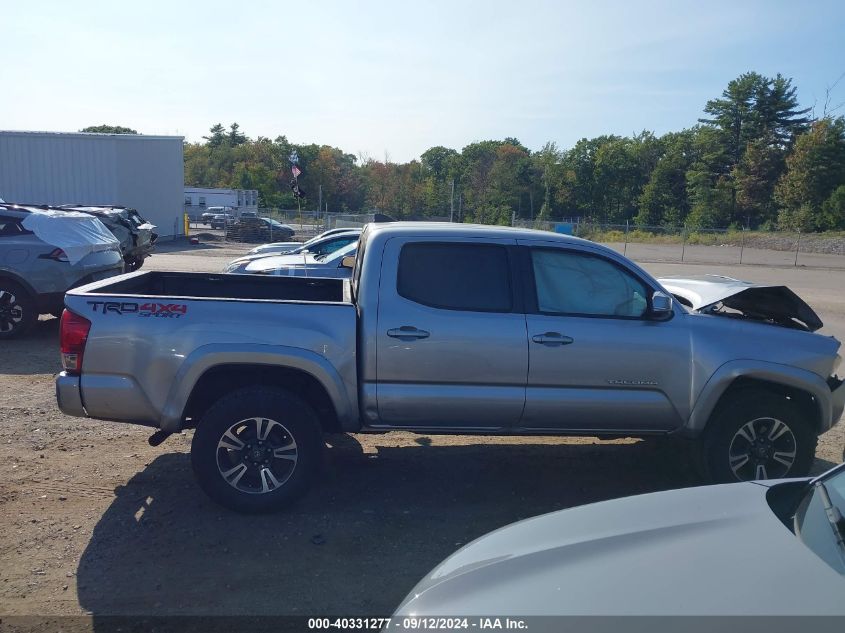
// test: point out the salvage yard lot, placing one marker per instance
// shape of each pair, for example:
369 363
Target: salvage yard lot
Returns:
93 520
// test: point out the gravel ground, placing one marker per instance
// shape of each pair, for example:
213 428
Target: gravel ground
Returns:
94 521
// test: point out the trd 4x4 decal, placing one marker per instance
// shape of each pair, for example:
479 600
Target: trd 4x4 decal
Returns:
163 310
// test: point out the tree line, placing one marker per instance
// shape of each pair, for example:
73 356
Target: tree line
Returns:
755 159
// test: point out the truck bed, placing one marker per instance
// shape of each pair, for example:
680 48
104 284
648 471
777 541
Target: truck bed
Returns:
154 334
222 286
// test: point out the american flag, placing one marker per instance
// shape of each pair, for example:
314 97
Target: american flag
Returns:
295 171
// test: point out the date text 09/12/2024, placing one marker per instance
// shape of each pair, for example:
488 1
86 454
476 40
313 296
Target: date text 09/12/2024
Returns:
410 623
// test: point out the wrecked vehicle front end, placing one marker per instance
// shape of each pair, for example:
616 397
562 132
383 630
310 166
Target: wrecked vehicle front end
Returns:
137 236
733 298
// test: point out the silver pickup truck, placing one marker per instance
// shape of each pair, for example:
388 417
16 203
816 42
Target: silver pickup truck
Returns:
447 329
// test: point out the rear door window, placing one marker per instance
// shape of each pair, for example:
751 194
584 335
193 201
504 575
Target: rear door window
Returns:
456 276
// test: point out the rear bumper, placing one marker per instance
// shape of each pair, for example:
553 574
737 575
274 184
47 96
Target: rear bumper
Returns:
68 395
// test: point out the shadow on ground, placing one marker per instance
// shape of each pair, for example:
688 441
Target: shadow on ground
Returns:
374 525
34 352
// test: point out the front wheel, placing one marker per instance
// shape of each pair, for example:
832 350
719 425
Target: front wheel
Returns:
757 434
257 449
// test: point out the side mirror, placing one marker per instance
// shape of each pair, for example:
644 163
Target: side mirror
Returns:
348 262
661 305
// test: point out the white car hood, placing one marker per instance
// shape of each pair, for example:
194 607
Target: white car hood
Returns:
713 550
281 261
777 304
275 247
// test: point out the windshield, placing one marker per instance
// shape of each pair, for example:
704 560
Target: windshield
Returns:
327 246
819 523
339 254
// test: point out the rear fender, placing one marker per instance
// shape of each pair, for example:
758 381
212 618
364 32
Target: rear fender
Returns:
208 356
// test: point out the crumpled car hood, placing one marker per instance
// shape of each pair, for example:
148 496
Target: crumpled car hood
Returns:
772 303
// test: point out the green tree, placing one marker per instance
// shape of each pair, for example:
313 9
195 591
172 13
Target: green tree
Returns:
218 136
754 179
753 106
833 210
235 137
814 170
664 197
108 129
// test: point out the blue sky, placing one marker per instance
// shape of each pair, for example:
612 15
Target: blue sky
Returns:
394 78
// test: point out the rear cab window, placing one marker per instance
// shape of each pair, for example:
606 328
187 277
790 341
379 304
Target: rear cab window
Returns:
456 276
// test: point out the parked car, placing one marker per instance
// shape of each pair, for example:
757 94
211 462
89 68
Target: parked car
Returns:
248 229
43 253
443 328
210 212
304 264
278 248
137 236
315 247
764 548
221 220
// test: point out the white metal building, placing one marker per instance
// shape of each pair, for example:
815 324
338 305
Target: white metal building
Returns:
133 170
197 199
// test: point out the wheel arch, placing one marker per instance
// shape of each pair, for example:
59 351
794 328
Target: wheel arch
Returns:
802 386
223 379
20 281
275 365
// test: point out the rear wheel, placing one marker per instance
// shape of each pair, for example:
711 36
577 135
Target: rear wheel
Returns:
756 434
17 310
257 449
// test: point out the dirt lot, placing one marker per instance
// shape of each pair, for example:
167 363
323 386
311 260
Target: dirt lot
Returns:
93 520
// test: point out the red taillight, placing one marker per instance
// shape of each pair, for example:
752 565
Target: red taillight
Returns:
56 254
74 334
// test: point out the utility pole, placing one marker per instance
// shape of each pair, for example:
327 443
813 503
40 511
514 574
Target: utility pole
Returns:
320 202
452 203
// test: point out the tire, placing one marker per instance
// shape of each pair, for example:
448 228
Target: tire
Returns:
770 430
17 310
257 449
131 264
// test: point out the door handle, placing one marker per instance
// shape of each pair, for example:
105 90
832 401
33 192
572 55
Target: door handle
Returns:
552 339
407 333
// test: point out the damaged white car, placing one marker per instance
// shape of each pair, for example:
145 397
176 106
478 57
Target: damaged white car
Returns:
726 296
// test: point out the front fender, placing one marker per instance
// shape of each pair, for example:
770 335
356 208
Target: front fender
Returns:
786 375
208 356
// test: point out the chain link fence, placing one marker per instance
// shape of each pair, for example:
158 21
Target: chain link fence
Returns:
270 225
641 243
707 246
